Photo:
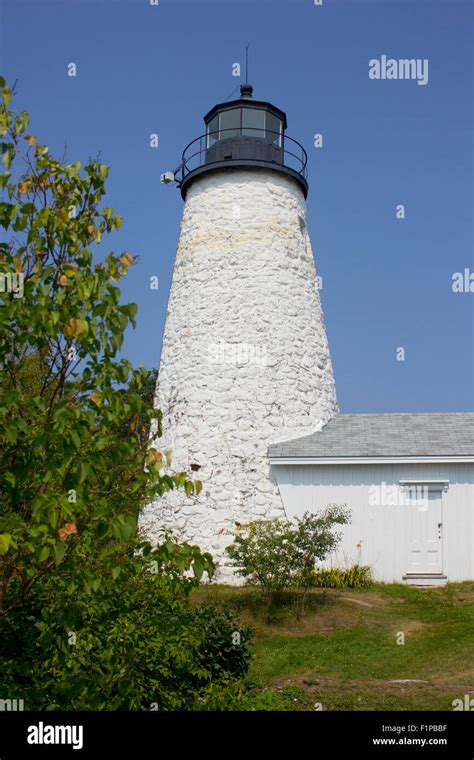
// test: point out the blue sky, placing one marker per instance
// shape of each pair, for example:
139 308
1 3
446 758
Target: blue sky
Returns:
145 69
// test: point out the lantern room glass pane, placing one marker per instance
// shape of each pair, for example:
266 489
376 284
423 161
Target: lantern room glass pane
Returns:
273 127
253 122
229 124
213 131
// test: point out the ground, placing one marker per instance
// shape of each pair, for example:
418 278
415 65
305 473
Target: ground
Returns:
342 652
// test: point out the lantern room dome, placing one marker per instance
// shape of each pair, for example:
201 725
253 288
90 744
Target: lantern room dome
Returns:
244 133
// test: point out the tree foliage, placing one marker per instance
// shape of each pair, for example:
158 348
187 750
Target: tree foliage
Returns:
74 420
90 615
136 643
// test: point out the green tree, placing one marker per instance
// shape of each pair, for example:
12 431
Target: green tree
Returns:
90 616
74 417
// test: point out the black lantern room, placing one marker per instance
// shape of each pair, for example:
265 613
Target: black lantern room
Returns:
244 133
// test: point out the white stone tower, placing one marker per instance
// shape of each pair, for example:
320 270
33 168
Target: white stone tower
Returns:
245 359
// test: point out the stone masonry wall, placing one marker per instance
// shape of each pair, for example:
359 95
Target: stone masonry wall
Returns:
245 359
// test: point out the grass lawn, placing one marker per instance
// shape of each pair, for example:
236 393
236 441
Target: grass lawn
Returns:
342 653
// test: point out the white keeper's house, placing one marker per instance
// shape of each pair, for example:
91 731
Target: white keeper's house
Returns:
408 480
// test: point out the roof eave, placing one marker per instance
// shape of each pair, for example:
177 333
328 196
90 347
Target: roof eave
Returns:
315 460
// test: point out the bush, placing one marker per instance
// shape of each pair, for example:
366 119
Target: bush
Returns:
356 576
136 645
225 651
279 554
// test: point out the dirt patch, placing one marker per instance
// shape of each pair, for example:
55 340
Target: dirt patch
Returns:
326 611
326 621
321 684
357 601
462 592
409 626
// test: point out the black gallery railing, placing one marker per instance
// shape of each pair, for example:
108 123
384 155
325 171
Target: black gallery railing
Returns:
243 144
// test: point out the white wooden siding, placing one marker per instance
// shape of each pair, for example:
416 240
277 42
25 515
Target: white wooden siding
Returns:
383 531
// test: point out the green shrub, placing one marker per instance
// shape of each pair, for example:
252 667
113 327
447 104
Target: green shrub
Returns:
356 576
138 644
225 651
279 554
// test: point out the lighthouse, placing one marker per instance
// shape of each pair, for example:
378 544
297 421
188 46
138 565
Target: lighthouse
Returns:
245 361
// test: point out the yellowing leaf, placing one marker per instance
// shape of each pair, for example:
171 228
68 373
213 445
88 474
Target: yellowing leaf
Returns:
68 530
6 95
69 329
154 459
75 328
70 269
126 259
5 542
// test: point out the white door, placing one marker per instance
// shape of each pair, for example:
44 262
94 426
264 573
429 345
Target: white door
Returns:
425 535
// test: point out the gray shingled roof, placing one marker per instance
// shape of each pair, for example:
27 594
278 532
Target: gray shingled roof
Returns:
390 435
